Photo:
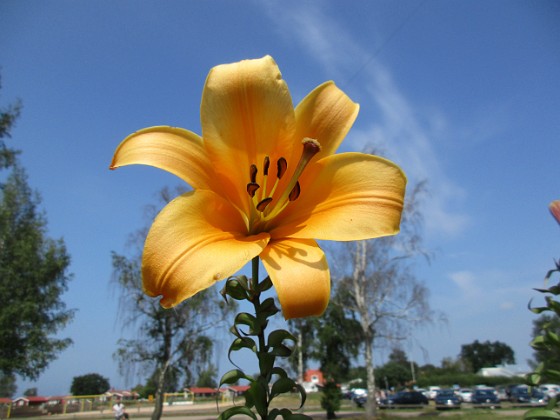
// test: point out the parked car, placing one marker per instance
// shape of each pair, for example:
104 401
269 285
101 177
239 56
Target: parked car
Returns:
406 398
446 398
524 395
360 400
485 398
502 394
465 394
432 392
550 390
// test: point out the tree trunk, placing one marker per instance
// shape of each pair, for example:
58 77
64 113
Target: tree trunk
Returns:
300 356
158 407
165 360
371 403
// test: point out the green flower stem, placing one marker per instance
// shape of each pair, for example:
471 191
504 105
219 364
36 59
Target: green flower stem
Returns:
256 301
249 331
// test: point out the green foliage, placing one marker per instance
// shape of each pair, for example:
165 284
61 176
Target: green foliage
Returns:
338 341
33 272
8 117
89 384
546 322
249 335
30 392
547 342
33 277
207 378
487 354
8 386
331 398
393 375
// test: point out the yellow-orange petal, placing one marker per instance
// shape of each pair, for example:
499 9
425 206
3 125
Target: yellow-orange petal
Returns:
555 209
346 197
326 114
246 114
196 240
172 149
300 274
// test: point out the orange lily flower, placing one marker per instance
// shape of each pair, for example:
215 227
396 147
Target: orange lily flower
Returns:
554 208
266 182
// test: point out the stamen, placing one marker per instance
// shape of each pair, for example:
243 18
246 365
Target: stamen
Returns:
253 173
262 205
266 165
294 194
282 167
252 188
310 148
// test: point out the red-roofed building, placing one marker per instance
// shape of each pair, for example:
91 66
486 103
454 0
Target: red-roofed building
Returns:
314 376
235 390
202 391
30 401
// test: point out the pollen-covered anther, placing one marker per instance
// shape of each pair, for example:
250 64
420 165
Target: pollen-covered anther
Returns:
262 205
294 194
310 147
252 188
282 167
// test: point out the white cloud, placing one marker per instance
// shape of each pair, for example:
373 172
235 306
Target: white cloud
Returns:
405 135
466 282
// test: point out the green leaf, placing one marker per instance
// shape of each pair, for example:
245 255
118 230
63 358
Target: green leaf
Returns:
259 396
243 343
279 371
233 329
533 378
249 320
541 413
266 363
268 308
265 285
277 337
233 376
235 289
296 416
281 386
281 351
302 394
234 411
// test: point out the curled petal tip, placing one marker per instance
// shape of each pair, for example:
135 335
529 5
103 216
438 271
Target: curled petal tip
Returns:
554 208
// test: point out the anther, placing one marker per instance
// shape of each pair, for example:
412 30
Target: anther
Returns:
253 173
282 167
252 188
262 205
294 194
266 165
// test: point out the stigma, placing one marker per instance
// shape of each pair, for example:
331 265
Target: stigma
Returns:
265 204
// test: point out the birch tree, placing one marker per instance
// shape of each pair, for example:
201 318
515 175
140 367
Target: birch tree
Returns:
383 292
168 342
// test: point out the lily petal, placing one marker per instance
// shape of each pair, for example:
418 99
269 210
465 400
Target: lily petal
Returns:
175 150
346 197
246 114
300 274
195 241
326 115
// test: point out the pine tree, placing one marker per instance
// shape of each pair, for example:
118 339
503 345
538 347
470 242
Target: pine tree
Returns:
33 272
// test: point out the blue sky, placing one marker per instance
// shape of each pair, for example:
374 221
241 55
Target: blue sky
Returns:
463 94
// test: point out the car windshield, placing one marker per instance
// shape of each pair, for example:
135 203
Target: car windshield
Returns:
446 393
485 392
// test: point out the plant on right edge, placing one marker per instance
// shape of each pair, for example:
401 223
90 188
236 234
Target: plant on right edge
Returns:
549 340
